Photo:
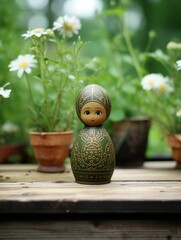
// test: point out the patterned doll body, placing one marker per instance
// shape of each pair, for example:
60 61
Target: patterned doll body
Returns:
93 156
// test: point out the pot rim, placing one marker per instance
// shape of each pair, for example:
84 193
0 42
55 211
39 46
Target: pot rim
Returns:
51 133
134 119
174 136
5 145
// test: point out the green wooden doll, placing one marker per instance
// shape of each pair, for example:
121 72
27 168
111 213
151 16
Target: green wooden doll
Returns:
93 156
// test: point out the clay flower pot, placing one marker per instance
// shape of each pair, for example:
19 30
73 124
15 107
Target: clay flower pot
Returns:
174 141
51 149
7 151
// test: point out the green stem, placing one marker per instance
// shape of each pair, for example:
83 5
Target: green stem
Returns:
55 109
43 71
76 53
132 51
30 90
162 111
61 48
151 37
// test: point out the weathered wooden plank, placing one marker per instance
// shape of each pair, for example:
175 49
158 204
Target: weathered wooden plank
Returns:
74 192
29 173
76 198
94 229
150 189
150 172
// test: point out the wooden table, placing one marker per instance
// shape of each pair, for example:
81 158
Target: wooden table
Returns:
142 203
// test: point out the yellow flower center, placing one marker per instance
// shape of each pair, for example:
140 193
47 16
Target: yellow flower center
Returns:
38 30
23 64
162 88
151 82
68 27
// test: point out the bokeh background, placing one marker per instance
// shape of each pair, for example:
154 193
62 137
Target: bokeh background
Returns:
158 18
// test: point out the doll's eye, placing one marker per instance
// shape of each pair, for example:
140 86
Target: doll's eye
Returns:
87 112
98 112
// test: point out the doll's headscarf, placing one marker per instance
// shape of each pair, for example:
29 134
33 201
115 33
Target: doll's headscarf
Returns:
93 93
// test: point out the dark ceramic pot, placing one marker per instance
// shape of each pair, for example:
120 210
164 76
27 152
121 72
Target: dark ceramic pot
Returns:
130 138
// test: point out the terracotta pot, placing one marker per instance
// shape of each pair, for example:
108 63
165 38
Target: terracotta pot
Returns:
7 151
174 141
130 138
51 149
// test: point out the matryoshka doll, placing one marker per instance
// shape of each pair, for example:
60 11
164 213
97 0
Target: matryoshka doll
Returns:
93 156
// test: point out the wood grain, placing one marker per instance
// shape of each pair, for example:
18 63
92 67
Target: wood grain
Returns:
155 171
149 189
145 201
93 229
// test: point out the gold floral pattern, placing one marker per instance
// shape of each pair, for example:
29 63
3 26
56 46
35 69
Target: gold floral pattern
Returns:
93 155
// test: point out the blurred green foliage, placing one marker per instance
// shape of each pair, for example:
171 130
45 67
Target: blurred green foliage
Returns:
111 62
12 109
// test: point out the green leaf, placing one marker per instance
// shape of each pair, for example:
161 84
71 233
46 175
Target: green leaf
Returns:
159 56
114 11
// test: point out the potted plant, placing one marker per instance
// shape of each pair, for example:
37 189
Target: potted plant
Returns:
8 133
56 66
11 141
163 102
129 127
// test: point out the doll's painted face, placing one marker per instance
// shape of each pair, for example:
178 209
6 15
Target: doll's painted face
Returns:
93 114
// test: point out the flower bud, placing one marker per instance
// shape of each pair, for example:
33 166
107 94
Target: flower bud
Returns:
50 32
174 50
71 77
178 113
172 46
152 34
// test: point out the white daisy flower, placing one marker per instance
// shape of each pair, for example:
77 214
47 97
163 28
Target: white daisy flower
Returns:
9 127
5 93
150 81
156 82
22 64
178 63
162 86
38 32
68 26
